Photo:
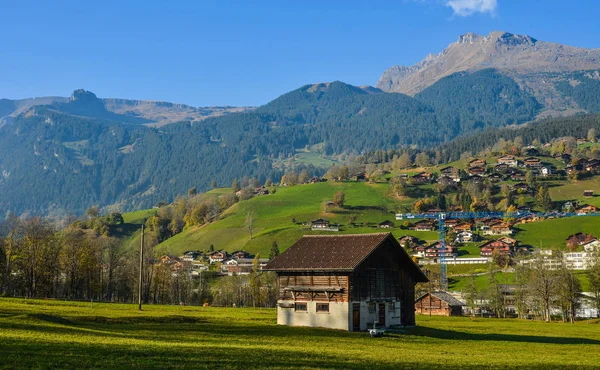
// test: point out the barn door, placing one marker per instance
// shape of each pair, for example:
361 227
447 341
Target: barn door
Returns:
382 314
356 316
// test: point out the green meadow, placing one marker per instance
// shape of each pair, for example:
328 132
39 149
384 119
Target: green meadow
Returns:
36 334
275 213
370 204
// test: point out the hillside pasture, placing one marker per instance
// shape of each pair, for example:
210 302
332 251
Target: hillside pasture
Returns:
42 334
573 190
552 234
370 204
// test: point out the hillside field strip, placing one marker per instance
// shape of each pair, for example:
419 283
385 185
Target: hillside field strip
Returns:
55 334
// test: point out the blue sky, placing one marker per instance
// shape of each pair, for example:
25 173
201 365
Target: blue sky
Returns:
249 52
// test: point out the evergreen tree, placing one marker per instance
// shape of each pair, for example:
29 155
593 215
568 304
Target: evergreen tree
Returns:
235 186
274 250
543 199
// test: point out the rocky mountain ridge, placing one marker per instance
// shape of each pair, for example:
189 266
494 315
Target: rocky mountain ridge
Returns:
530 62
147 112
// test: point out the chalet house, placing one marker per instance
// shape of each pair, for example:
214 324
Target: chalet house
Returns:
450 172
242 266
477 163
419 250
517 176
592 245
501 168
463 227
438 303
500 228
190 256
423 225
496 177
465 237
593 166
240 254
572 169
508 160
451 223
586 209
565 158
528 219
436 250
510 241
387 224
579 239
549 170
319 224
217 256
346 282
495 246
411 240
521 186
261 190
532 162
421 178
486 223
588 193
530 150
580 140
476 171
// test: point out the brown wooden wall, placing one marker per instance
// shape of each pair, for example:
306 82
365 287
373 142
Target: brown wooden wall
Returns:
313 280
435 306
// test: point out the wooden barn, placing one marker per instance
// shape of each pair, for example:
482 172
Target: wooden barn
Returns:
438 303
346 282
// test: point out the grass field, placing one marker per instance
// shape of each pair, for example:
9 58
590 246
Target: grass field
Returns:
39 334
274 213
551 234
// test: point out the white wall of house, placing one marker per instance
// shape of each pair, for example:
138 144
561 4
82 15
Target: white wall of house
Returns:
338 317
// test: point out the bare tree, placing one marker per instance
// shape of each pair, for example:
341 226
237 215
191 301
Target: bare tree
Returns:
541 286
521 284
249 222
594 276
568 289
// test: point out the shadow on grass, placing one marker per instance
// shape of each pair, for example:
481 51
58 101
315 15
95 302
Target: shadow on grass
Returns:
457 335
365 208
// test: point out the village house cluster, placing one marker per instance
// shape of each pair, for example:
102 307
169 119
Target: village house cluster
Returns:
239 262
582 247
508 168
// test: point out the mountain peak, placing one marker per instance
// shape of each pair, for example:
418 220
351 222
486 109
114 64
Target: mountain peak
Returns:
83 95
518 55
499 37
468 38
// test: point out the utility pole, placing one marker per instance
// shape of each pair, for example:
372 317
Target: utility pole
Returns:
141 280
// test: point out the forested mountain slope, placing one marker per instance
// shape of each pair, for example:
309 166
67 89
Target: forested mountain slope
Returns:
67 156
537 66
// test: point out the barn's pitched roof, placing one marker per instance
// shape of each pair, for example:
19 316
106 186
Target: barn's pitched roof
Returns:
444 297
335 253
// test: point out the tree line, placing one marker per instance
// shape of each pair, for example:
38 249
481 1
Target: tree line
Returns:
87 262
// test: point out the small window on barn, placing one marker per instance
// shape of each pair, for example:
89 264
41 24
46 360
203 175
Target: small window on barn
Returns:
302 307
322 307
391 307
372 307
